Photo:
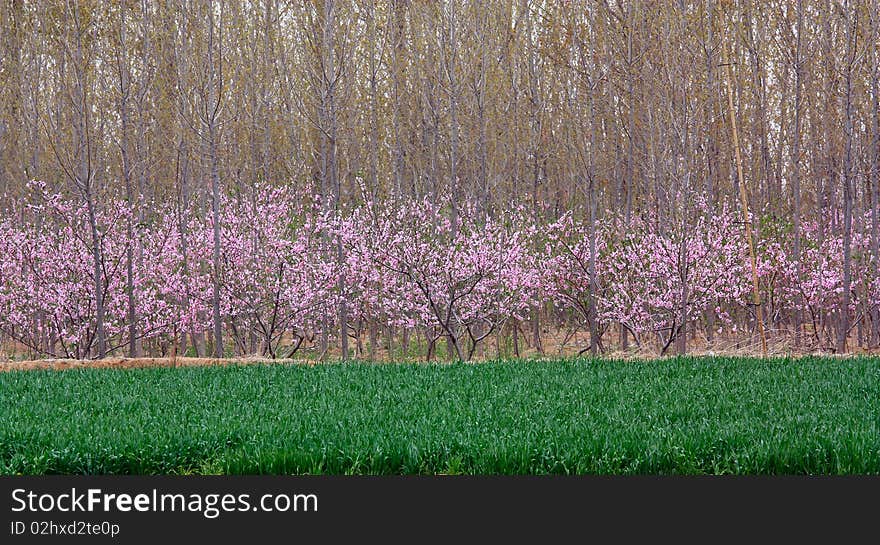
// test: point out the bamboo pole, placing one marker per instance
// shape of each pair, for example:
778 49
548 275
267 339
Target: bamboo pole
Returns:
744 198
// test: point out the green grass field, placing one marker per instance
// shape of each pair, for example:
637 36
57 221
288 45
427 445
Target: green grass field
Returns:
691 415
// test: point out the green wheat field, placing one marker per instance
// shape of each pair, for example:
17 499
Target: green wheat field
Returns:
702 415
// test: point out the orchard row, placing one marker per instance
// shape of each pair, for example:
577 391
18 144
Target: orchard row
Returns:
291 278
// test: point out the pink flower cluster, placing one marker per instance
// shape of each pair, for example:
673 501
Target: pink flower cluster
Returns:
651 275
459 279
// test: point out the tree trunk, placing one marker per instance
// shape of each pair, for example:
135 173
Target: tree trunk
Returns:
125 151
84 179
874 181
844 321
796 169
592 311
214 102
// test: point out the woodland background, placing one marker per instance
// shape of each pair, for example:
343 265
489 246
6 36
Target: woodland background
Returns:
580 118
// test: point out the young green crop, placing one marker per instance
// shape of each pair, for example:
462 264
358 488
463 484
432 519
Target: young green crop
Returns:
686 415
